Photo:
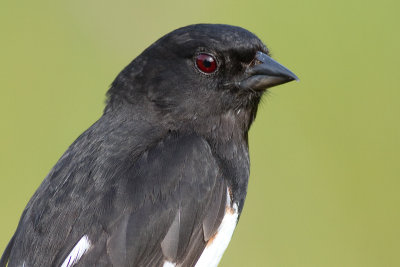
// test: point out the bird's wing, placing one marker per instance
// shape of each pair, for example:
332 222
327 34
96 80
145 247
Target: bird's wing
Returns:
164 206
6 253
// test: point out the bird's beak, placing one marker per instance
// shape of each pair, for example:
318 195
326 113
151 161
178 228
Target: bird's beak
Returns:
266 74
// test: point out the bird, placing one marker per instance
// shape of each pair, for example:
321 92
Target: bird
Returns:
160 179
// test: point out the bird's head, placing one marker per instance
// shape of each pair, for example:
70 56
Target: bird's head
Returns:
200 72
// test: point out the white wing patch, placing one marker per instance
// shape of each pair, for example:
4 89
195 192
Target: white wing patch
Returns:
216 246
169 264
77 252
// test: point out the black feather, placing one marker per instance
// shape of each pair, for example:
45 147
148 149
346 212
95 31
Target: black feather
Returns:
148 181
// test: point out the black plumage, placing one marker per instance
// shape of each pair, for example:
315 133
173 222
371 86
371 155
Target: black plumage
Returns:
147 183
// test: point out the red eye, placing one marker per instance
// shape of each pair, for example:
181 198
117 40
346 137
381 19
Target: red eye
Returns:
206 63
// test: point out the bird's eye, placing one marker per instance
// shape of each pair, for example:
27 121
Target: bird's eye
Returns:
206 63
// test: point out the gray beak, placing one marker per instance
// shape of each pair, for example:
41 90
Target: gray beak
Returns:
266 74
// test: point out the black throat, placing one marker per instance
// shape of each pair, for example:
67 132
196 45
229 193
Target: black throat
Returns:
227 135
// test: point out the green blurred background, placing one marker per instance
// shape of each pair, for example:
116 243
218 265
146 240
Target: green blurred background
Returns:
324 188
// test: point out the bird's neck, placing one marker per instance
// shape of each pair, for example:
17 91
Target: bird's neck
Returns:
226 133
227 137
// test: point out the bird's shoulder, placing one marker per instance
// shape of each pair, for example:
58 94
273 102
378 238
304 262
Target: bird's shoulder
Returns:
139 197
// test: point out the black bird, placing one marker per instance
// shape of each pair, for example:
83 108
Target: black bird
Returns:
161 178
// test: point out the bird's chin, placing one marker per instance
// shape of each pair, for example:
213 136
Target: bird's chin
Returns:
262 82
